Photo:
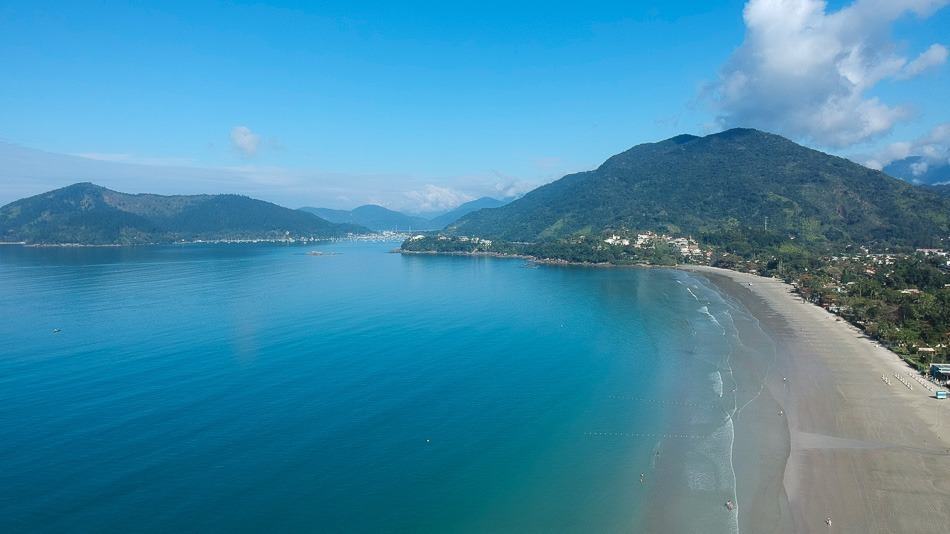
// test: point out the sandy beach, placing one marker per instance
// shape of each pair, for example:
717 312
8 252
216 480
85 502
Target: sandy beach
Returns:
872 456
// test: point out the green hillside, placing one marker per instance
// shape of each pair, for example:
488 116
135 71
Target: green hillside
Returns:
89 214
743 187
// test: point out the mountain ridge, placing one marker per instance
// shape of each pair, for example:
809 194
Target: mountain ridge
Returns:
372 216
738 185
380 218
85 213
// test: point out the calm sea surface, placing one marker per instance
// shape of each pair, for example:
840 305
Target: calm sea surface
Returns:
247 388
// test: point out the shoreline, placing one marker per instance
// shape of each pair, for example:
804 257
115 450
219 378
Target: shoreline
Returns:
875 457
308 241
534 259
679 266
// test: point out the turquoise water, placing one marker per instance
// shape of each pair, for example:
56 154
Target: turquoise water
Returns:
243 388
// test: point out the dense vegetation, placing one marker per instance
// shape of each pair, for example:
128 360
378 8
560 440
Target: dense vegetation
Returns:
941 189
741 188
89 214
903 300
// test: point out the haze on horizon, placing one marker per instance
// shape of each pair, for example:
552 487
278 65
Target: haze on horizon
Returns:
423 108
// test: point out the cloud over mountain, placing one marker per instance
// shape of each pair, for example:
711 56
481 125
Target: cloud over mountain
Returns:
932 149
436 198
806 72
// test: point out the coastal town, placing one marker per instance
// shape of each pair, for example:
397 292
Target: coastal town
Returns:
620 247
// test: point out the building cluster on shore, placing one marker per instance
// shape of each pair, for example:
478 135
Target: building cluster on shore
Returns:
613 247
687 247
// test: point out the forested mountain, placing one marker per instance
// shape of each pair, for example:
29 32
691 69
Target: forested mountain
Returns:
85 213
741 186
942 189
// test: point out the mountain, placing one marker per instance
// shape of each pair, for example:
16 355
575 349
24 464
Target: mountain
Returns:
379 218
86 213
474 205
943 189
917 170
723 187
373 217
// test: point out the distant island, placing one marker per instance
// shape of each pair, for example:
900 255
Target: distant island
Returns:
88 214
865 245
380 219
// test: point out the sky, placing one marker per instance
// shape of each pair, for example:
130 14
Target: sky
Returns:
420 106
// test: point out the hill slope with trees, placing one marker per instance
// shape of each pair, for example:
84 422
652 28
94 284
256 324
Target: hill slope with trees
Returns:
88 214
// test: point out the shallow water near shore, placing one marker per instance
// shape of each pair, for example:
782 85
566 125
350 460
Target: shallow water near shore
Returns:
252 387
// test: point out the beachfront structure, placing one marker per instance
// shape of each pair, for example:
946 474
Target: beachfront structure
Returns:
940 372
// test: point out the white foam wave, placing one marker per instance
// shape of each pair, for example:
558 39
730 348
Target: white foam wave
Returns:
705 311
717 382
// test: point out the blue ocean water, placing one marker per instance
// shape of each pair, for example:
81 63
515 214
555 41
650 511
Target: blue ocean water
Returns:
252 387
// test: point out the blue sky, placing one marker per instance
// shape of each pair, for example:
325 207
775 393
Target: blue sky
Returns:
423 105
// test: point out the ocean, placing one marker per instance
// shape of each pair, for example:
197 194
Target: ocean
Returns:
256 387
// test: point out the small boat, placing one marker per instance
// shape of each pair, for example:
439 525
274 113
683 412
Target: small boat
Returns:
56 330
730 505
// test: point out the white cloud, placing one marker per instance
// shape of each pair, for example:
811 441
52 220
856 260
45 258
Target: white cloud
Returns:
435 198
513 188
934 56
805 72
919 168
933 148
245 141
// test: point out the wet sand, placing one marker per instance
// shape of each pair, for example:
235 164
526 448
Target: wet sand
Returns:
871 456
